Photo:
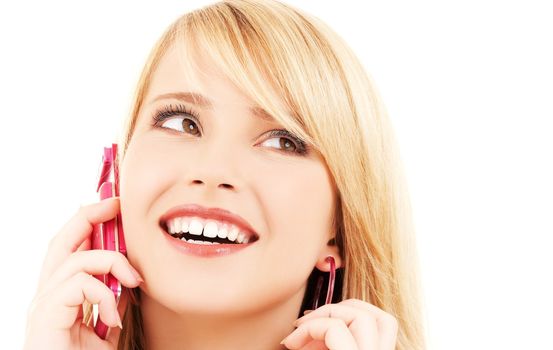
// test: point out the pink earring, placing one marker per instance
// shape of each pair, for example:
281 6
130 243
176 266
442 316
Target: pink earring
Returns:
330 289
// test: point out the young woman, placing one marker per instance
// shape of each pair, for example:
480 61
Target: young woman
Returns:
254 125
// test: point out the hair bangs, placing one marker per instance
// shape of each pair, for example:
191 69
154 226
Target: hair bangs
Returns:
235 50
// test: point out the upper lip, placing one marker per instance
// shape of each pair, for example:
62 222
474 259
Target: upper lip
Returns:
208 213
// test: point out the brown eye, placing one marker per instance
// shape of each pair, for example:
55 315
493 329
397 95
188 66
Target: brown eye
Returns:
285 141
286 144
181 124
282 143
189 125
179 118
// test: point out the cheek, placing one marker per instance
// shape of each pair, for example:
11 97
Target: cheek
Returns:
145 175
148 170
141 177
299 200
298 206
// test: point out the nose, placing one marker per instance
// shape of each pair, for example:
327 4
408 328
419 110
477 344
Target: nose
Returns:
220 185
214 167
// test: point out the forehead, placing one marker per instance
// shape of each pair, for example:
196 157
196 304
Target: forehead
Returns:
209 85
208 88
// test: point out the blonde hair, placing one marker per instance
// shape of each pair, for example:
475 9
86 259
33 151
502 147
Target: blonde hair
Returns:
301 72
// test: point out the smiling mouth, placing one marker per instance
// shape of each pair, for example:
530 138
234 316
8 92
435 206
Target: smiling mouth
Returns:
201 238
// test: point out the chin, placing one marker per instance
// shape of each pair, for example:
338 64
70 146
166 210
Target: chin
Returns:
194 302
185 289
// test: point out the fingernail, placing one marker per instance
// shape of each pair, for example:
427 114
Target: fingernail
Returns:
136 275
284 340
119 320
307 311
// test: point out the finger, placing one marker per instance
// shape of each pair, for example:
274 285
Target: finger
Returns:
75 231
96 262
68 299
89 339
86 245
80 314
332 331
328 310
361 324
387 324
115 333
315 345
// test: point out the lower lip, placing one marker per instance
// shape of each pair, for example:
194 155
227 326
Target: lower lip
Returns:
204 250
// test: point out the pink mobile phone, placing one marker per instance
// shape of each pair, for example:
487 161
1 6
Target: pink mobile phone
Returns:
109 235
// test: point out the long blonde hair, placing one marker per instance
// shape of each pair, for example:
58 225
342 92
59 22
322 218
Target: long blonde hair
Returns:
300 71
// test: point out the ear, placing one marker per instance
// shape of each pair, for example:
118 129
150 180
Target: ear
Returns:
329 250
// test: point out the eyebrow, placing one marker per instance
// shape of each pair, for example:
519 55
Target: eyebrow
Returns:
204 102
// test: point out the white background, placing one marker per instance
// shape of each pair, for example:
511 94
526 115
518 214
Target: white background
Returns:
468 85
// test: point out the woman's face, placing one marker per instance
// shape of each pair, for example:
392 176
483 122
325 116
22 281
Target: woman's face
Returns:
227 159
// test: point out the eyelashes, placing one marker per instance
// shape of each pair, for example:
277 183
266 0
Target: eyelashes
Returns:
301 147
193 120
169 111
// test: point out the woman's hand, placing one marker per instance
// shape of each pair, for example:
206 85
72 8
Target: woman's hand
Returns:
54 318
349 325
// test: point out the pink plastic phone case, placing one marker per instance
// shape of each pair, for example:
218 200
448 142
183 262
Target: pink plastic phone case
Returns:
109 235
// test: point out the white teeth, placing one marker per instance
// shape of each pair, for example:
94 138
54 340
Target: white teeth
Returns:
241 237
196 227
233 233
198 242
184 225
210 230
177 224
171 226
223 232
